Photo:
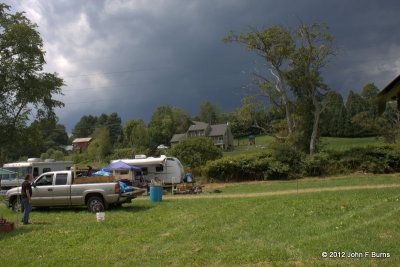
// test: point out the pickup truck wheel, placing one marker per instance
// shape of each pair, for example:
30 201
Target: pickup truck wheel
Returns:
95 204
17 205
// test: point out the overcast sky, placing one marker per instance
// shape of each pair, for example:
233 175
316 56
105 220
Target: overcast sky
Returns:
132 56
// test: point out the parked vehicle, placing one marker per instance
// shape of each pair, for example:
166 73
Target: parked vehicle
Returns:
59 188
33 166
167 169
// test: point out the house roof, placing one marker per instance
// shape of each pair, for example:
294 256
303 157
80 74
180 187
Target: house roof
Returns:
177 137
82 140
198 125
390 92
218 129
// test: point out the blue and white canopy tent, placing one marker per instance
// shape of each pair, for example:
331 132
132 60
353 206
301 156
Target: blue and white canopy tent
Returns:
120 165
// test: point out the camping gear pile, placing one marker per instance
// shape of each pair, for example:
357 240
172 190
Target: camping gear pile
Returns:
6 226
187 188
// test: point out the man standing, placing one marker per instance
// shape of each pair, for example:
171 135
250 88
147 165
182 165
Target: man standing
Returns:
26 198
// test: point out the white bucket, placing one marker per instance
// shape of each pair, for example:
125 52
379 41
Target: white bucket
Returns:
100 216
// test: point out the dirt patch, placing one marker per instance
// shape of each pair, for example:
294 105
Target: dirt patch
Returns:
285 192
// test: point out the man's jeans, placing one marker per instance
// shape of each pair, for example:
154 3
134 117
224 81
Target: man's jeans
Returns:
27 210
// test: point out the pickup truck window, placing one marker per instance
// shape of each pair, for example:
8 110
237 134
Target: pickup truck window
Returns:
61 178
45 180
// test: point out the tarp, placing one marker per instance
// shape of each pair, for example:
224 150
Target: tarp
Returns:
120 165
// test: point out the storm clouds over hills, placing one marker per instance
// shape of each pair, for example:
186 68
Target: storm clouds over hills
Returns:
132 56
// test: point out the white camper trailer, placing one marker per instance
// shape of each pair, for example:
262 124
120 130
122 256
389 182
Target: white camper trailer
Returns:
33 166
167 169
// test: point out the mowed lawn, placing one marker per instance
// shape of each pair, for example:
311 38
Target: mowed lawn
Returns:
328 143
291 229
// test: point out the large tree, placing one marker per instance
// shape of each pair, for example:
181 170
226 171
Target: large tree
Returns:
137 134
88 124
209 112
275 45
354 105
25 90
85 126
167 121
294 62
313 53
333 118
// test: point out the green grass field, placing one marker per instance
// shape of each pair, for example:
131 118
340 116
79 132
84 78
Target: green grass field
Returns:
292 229
329 143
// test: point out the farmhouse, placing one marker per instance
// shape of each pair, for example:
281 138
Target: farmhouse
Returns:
220 133
81 143
390 93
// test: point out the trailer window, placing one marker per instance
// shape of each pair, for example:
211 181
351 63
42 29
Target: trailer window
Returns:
22 171
61 179
46 170
159 168
35 172
145 171
122 172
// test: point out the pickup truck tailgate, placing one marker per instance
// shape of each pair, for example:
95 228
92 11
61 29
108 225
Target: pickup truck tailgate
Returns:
134 193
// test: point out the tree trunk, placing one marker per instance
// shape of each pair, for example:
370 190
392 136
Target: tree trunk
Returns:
317 115
286 102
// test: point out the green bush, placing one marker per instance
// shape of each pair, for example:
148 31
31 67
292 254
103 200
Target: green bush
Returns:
288 155
52 154
282 162
79 157
195 152
319 164
238 168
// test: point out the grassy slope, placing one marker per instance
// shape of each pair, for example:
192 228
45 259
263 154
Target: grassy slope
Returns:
270 186
286 229
329 143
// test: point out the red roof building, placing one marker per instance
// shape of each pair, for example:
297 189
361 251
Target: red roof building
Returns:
81 143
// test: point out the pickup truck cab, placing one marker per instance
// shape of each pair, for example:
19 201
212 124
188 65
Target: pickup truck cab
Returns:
54 189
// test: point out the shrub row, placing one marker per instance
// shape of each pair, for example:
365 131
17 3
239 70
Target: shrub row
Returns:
281 161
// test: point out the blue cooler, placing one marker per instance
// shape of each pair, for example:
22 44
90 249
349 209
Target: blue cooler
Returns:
155 193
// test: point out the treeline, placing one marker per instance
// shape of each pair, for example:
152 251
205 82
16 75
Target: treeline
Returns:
355 117
358 116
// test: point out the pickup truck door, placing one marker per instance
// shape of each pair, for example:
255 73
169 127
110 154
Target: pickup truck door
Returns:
61 190
42 191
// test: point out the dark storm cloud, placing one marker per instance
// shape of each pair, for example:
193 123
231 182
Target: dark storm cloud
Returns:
131 56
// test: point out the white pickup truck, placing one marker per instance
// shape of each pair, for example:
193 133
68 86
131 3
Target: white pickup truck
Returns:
58 189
